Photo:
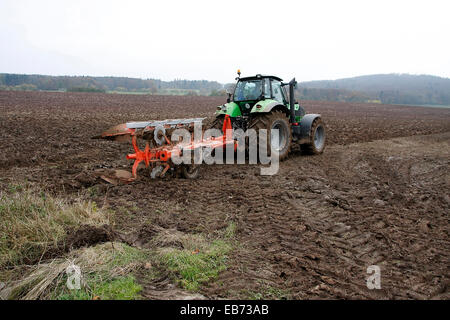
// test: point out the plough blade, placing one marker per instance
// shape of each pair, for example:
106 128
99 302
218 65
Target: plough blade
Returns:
116 133
117 177
124 131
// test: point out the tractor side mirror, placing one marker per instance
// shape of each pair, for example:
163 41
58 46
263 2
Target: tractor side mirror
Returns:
229 96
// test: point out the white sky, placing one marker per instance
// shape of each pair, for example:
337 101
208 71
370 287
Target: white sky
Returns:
210 40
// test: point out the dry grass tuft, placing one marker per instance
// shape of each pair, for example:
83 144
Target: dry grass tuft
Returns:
100 265
31 222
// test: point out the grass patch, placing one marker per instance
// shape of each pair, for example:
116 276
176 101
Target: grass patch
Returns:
195 268
31 222
266 292
106 273
120 288
230 231
199 260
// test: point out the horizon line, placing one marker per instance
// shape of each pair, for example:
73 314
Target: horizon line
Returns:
184 79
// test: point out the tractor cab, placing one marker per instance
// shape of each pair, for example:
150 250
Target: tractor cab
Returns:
250 90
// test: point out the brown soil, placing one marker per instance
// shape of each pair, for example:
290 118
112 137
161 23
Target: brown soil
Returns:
378 195
87 235
84 236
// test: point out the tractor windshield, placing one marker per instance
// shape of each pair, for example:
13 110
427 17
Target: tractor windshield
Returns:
248 90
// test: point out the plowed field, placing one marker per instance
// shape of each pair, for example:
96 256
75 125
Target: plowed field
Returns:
378 195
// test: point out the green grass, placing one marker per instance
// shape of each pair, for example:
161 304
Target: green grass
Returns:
230 231
194 268
435 106
107 273
120 288
128 255
200 260
424 105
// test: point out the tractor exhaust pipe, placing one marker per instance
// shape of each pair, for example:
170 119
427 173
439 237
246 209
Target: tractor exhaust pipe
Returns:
292 85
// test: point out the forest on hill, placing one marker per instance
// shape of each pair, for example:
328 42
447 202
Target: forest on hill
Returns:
382 88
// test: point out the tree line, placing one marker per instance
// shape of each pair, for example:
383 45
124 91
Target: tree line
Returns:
386 88
104 84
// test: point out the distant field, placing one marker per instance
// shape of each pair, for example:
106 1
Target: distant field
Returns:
170 92
423 105
128 92
434 106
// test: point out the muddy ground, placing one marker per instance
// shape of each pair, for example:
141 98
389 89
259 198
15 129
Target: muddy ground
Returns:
379 195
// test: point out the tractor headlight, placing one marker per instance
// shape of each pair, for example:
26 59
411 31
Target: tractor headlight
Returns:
224 108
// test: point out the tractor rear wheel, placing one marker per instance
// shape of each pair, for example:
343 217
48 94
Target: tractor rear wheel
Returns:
269 121
317 136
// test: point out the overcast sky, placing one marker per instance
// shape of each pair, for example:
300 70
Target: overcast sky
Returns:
311 40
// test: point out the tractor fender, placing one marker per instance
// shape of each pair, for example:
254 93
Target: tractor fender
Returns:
303 131
266 108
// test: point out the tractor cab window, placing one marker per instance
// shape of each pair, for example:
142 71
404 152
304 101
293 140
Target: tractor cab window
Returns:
278 92
248 90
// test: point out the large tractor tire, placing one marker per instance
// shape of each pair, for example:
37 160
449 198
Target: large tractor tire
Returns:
317 138
274 120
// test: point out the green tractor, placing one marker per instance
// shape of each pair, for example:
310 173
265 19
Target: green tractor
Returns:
261 102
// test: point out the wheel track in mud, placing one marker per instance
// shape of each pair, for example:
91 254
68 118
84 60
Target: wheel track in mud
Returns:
333 245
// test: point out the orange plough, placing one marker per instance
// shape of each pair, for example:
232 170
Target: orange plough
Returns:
159 150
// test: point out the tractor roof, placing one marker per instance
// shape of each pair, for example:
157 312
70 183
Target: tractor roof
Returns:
259 76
